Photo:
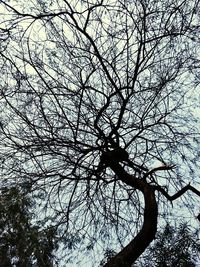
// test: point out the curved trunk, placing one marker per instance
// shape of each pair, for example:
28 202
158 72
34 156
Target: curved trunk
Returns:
129 254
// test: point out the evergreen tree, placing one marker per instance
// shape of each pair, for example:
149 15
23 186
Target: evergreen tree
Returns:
173 247
22 243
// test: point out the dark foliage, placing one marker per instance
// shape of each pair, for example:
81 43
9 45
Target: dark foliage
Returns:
23 243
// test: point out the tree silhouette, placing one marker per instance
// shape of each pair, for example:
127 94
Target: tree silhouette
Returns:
97 114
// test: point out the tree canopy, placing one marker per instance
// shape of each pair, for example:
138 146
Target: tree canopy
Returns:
99 116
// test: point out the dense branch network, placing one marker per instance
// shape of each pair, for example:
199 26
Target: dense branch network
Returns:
93 95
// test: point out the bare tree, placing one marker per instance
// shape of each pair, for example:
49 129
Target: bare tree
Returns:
97 114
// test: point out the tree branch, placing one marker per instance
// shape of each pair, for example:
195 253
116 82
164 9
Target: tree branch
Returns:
160 168
179 193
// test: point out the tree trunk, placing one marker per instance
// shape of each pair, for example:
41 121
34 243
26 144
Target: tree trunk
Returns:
129 254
